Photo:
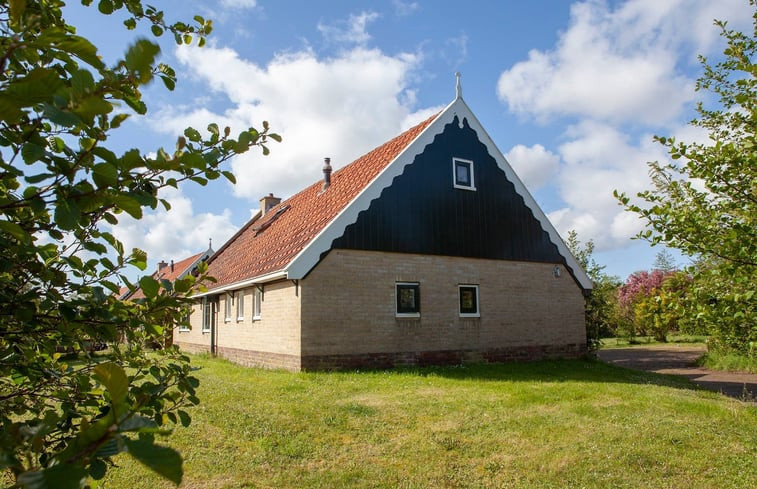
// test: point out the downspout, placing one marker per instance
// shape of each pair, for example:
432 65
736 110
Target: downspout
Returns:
213 328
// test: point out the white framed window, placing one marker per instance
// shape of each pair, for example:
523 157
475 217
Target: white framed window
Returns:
462 174
184 326
468 303
240 305
257 301
408 299
207 314
227 303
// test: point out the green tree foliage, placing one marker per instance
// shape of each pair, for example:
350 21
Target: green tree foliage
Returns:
64 412
602 303
704 201
664 261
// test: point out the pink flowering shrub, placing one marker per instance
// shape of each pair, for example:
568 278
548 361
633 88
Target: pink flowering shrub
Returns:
639 287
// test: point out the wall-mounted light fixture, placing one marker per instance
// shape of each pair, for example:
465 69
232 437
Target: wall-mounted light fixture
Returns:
556 271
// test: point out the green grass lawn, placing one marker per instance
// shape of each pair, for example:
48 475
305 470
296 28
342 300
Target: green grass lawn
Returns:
546 424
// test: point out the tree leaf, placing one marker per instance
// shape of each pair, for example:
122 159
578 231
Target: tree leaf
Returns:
67 214
61 476
162 460
105 175
149 286
32 152
115 381
15 230
129 205
140 58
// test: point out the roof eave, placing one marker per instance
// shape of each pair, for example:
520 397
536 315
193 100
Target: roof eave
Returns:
260 279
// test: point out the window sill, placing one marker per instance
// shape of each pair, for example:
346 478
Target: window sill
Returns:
205 331
463 187
240 319
256 318
407 315
470 316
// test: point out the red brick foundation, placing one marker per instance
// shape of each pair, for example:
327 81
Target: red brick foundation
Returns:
248 358
263 359
447 357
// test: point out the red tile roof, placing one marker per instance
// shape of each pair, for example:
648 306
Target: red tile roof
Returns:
269 244
170 275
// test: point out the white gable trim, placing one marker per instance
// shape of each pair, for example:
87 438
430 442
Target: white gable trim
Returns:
311 254
521 189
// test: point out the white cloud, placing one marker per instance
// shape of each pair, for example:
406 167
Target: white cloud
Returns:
338 107
618 65
239 3
350 31
598 159
455 50
175 234
403 9
534 165
618 70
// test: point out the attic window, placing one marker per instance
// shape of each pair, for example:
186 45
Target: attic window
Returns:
262 227
463 174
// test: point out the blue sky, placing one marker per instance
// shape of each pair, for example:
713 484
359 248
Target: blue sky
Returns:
571 93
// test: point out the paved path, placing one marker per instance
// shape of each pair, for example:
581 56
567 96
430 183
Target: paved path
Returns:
681 361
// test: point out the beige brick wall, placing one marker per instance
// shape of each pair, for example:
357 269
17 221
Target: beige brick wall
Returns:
348 305
200 341
273 340
277 330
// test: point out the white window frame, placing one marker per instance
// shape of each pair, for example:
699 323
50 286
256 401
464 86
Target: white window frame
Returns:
472 185
207 315
462 314
257 303
399 314
227 303
183 328
240 305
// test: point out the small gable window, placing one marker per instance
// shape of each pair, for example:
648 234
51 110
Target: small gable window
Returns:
463 174
408 299
468 301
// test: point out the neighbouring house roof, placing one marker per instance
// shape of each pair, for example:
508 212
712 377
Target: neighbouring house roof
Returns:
173 271
123 293
289 239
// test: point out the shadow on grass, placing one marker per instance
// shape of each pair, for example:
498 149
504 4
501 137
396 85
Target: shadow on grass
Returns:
547 371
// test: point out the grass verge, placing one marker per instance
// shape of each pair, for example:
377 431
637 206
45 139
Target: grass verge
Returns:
545 424
644 341
729 362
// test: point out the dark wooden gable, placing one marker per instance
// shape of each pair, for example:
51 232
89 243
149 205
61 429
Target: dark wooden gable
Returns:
422 211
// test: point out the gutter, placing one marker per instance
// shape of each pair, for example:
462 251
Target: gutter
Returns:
269 277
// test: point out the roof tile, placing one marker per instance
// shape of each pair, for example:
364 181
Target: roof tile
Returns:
276 239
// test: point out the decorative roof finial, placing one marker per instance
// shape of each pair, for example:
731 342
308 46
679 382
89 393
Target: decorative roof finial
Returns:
458 87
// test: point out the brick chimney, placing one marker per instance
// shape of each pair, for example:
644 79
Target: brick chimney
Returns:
326 173
162 265
267 202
